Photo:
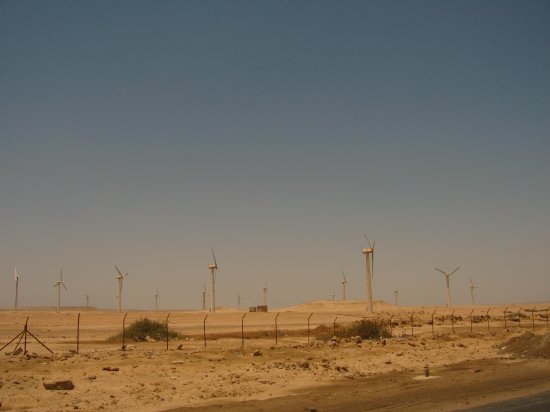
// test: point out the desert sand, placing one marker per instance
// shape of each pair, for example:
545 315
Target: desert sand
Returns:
469 359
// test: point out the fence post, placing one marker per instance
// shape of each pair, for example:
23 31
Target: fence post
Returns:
124 331
242 329
488 319
547 309
412 324
309 317
519 317
167 333
334 326
533 317
204 329
391 325
471 322
276 329
78 333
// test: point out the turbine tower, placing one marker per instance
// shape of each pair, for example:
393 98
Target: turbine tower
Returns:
120 278
344 283
238 300
58 285
472 288
369 265
16 278
332 295
447 276
157 299
396 293
264 288
87 301
213 269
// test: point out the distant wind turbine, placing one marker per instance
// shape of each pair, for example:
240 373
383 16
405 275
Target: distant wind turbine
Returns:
369 265
120 278
87 301
238 300
396 293
58 285
264 288
447 280
157 296
204 294
472 290
16 278
344 283
213 271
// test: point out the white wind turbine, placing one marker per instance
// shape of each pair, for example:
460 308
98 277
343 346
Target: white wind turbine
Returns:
120 278
58 285
264 288
344 283
16 277
157 296
369 265
87 301
396 293
204 294
447 280
213 269
472 289
238 300
332 295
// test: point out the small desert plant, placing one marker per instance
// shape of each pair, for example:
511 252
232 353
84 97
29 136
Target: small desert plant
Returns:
365 329
146 329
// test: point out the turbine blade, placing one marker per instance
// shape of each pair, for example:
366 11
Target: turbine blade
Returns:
214 256
458 267
65 287
368 241
439 270
471 281
118 270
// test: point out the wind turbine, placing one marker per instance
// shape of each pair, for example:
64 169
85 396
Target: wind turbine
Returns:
87 301
447 276
157 299
238 300
396 293
472 288
369 265
344 283
213 269
332 295
16 277
120 278
264 288
204 296
58 285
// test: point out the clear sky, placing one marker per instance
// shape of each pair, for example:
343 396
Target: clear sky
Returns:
143 133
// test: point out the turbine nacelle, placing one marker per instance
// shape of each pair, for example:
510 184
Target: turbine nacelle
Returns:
367 250
212 266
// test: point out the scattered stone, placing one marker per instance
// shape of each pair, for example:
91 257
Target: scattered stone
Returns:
257 352
18 351
178 362
59 385
304 365
180 346
111 369
341 368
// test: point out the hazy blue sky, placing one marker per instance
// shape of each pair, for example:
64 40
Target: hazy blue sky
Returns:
143 133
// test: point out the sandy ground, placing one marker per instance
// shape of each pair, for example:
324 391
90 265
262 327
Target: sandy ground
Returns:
466 363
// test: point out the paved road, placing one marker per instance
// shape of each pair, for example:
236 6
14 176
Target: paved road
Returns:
534 403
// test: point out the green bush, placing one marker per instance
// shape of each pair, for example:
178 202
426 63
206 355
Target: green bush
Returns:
145 329
365 329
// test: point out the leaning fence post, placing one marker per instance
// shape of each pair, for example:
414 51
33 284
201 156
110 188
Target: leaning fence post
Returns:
334 326
78 333
488 319
242 330
276 338
124 331
471 322
533 317
412 324
519 317
309 317
167 332
433 333
26 330
204 329
391 325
